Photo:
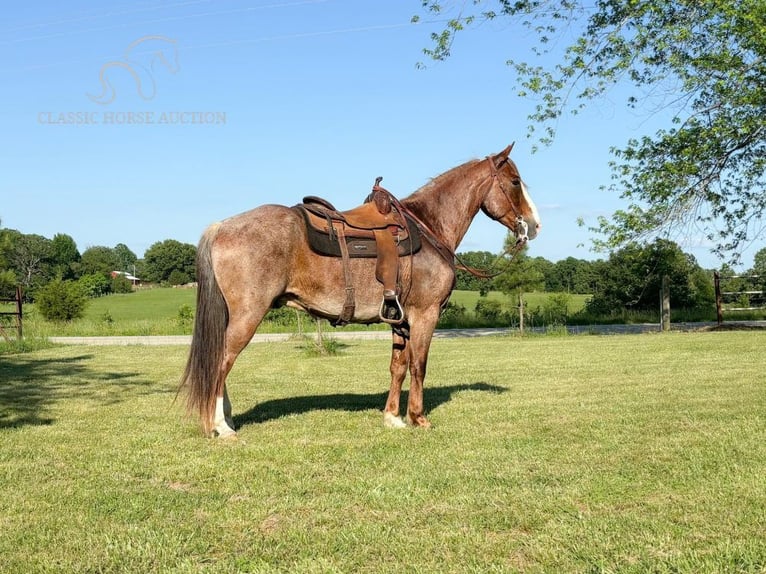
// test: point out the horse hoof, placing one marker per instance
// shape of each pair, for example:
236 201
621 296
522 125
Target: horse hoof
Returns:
420 421
224 432
392 421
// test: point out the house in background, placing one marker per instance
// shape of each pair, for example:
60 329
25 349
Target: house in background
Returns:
134 280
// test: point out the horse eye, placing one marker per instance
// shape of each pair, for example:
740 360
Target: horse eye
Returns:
516 181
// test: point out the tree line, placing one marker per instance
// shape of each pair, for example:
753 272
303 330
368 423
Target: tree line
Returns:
34 261
629 279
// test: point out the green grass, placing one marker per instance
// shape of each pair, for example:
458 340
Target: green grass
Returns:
147 304
156 312
468 300
573 454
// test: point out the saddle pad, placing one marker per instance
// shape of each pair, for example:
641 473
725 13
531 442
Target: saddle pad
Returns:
323 243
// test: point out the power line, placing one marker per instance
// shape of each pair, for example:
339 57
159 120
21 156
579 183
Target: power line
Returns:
154 20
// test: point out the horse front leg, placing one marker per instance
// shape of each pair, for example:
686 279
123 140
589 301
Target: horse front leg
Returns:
419 345
398 368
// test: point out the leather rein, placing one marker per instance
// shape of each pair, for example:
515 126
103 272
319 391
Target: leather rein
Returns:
448 254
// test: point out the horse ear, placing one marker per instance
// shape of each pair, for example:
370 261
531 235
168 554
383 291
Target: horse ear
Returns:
503 155
507 151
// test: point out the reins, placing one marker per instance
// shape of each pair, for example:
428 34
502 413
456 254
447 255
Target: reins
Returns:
448 254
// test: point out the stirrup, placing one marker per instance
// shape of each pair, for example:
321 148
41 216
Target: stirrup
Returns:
391 310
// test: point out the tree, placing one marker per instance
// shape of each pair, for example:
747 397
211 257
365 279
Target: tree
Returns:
632 279
61 301
99 259
522 276
65 255
8 279
708 58
164 257
759 267
478 260
126 259
31 258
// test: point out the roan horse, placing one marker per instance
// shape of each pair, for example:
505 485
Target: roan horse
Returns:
260 259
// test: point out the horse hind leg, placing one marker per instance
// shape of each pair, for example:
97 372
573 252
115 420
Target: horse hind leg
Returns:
223 422
239 332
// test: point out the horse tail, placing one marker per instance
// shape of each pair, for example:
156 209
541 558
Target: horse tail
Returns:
201 376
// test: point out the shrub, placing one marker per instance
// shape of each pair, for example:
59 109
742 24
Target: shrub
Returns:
556 309
454 315
177 277
488 310
61 301
185 315
121 284
94 284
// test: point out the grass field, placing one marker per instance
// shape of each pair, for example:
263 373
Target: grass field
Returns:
642 453
156 312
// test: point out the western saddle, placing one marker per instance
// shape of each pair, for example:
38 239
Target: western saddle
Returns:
378 228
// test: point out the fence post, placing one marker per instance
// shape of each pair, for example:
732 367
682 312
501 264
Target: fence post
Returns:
19 313
665 303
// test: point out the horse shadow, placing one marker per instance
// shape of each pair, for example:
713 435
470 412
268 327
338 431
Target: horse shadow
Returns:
433 397
31 386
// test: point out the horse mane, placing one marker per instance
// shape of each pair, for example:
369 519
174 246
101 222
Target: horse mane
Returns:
437 183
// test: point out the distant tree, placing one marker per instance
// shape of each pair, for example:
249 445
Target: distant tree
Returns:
164 257
632 279
65 255
546 268
8 279
126 259
94 284
99 259
31 259
759 267
522 275
61 301
479 260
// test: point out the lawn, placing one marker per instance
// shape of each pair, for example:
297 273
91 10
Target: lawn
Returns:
468 300
641 453
156 312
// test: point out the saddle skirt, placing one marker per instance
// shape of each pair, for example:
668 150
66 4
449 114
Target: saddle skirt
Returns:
359 226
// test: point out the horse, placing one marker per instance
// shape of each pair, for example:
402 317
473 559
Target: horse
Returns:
260 259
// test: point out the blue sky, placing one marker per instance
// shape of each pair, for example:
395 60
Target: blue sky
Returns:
280 99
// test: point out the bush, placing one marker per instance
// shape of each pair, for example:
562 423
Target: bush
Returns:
488 310
94 284
556 309
61 301
121 284
453 316
177 277
185 316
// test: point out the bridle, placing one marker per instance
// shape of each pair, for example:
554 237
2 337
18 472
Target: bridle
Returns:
521 229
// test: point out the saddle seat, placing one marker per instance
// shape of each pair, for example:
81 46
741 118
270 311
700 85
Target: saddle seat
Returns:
366 217
374 229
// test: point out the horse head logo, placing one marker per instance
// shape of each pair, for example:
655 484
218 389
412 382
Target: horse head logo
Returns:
140 59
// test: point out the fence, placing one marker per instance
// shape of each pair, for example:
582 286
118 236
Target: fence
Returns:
18 313
738 293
